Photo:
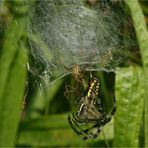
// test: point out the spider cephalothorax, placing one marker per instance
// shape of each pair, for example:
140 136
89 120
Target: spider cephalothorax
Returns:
90 113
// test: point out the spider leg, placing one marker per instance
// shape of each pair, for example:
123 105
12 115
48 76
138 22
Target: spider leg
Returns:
114 107
84 120
100 106
109 116
77 120
95 130
78 123
75 125
92 132
72 125
84 133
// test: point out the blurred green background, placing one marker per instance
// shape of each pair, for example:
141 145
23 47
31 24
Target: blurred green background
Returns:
35 117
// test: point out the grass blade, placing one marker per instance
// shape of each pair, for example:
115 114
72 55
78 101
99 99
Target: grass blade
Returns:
12 78
142 37
130 106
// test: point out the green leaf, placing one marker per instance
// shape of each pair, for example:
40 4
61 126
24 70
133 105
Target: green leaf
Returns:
12 77
142 37
130 106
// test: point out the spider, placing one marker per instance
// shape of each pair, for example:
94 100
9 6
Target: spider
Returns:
90 113
74 92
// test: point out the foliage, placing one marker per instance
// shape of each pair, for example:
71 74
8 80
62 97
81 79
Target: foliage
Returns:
142 37
43 122
130 103
12 77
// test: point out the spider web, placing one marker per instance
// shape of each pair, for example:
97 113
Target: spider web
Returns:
64 33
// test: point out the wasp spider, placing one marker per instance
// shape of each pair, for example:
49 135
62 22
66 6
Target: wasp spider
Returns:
90 113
